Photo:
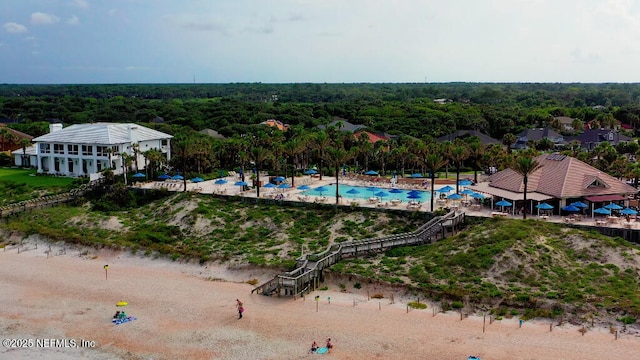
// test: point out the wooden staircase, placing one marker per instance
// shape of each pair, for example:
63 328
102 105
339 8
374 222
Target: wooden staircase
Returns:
308 272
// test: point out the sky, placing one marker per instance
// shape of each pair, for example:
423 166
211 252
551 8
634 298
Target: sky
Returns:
318 41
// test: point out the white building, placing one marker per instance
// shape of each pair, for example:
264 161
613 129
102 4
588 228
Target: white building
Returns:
86 149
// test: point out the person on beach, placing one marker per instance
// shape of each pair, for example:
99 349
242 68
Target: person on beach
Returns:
314 347
117 315
240 308
329 345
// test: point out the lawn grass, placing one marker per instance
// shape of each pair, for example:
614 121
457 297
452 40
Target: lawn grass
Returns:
23 184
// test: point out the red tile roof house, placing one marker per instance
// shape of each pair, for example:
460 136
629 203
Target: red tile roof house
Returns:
373 138
560 181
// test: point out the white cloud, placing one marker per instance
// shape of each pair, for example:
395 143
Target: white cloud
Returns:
83 4
73 20
39 18
14 28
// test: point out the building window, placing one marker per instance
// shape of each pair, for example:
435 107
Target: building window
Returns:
72 149
87 150
45 149
102 151
165 142
58 148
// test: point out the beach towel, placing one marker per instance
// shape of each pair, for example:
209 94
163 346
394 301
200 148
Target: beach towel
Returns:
122 321
322 350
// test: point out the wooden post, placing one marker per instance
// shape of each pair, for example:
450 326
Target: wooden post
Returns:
407 309
484 322
616 334
379 306
368 298
550 327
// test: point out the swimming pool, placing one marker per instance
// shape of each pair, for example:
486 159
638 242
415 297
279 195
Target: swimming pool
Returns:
362 192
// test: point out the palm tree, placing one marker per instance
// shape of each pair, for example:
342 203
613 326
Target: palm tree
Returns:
182 151
24 144
476 152
525 165
321 142
259 155
509 139
433 162
292 149
336 156
459 153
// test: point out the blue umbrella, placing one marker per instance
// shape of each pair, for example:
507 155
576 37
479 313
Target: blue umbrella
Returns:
414 192
284 186
197 180
371 172
414 196
544 206
304 187
164 177
269 186
579 204
455 197
220 182
241 183
396 191
570 208
628 211
467 192
416 175
382 194
613 206
476 195
321 189
310 172
138 175
445 189
177 177
353 191
465 182
503 202
602 211
279 179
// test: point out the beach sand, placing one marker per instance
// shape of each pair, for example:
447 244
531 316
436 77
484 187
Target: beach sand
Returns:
187 311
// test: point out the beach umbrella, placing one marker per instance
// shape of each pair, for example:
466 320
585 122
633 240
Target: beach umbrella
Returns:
602 211
373 189
310 172
321 189
465 182
382 194
177 177
628 211
445 189
503 202
613 206
138 175
416 175
414 192
240 183
476 195
371 172
579 204
414 196
220 182
544 206
284 186
197 180
279 179
455 197
570 208
353 191
164 177
396 191
122 303
304 187
467 192
269 185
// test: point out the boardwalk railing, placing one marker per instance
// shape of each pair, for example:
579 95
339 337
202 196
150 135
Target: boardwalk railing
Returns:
308 272
47 201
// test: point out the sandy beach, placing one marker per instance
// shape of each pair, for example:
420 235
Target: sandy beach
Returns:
187 311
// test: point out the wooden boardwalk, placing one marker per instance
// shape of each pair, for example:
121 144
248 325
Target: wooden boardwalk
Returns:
308 273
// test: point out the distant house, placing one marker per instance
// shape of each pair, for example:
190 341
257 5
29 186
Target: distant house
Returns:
536 135
485 139
86 149
343 125
373 138
590 138
214 134
11 143
442 101
566 123
559 181
277 124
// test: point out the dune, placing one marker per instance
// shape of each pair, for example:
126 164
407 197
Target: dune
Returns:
187 311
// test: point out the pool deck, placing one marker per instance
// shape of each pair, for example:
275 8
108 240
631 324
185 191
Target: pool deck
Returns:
293 194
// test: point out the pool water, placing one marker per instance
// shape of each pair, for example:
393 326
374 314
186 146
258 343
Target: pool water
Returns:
346 191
